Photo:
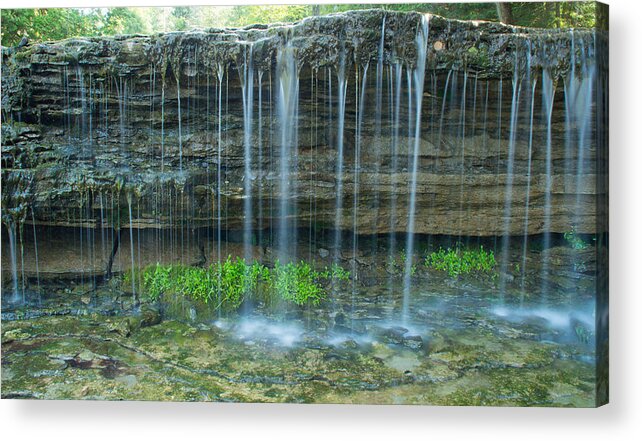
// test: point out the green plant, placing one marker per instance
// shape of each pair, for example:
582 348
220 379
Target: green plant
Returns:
574 240
393 266
231 282
457 261
335 273
298 283
157 280
397 267
403 259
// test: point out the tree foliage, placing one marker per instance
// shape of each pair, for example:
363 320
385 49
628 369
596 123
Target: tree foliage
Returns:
43 24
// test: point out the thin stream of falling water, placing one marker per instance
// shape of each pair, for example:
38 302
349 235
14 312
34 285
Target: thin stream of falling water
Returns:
583 116
81 94
271 159
288 83
578 94
102 225
131 246
11 229
80 235
226 182
35 246
409 126
23 279
394 151
138 239
473 131
210 199
462 136
528 190
259 167
355 206
312 170
163 124
219 72
343 89
90 237
443 110
510 176
247 88
418 77
569 83
92 92
316 155
498 146
548 97
180 123
378 116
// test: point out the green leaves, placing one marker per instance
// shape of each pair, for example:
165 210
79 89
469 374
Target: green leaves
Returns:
157 280
457 261
574 240
233 281
297 283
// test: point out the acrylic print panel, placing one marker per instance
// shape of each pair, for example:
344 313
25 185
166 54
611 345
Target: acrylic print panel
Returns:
360 206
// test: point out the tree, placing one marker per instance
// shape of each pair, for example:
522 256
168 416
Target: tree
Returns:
182 18
602 16
122 21
57 23
47 24
505 13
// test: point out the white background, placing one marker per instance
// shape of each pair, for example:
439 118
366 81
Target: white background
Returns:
52 420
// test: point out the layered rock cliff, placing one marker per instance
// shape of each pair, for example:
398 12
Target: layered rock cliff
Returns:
95 126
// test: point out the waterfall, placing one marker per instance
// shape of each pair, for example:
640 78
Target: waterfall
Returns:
288 99
11 228
346 146
462 138
163 124
394 167
357 155
260 170
529 177
35 247
131 246
378 116
314 142
509 179
220 73
548 96
82 96
342 92
247 86
418 78
578 97
180 123
121 88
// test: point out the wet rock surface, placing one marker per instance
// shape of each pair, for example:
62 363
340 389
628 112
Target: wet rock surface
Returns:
81 358
98 122
458 348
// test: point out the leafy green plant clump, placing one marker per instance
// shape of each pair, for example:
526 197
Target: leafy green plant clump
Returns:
574 240
231 282
397 267
459 261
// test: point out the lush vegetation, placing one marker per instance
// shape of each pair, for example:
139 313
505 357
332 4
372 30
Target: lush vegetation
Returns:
52 24
574 240
459 261
397 265
229 283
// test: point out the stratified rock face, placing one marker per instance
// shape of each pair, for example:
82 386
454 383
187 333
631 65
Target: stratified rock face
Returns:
153 131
